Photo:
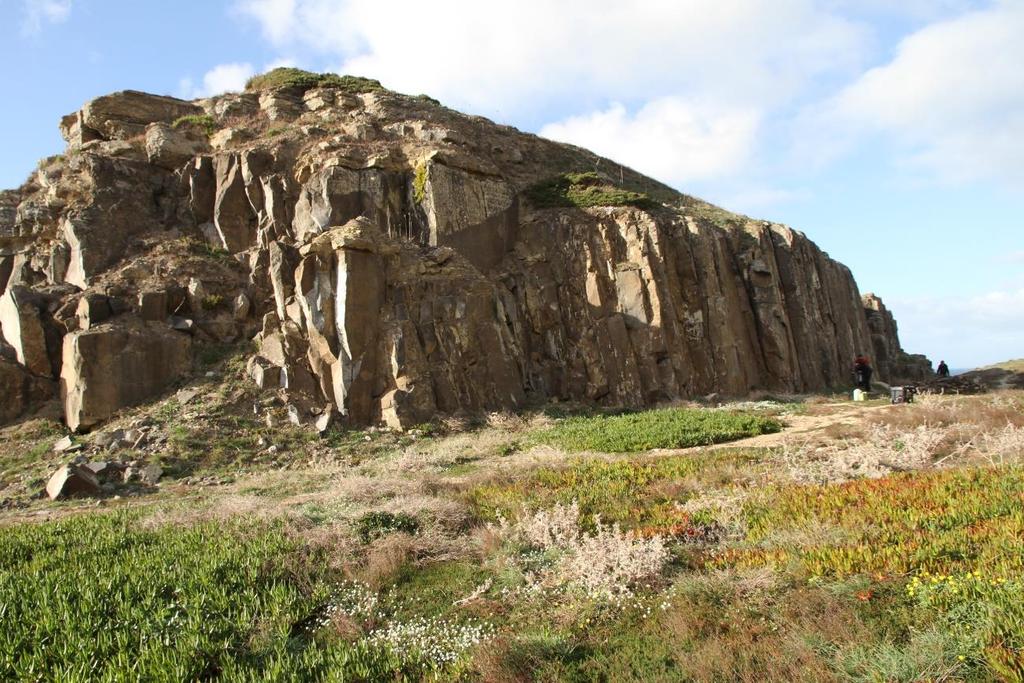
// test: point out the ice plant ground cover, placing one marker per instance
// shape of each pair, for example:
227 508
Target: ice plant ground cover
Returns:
644 430
869 543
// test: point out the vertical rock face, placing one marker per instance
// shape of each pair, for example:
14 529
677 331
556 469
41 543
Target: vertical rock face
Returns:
892 361
111 366
617 306
405 261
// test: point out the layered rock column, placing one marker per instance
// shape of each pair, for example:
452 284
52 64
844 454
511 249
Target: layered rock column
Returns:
109 367
895 364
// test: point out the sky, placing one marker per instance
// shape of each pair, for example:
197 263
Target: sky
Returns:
891 133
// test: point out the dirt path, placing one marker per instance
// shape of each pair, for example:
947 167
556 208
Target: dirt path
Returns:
797 428
800 426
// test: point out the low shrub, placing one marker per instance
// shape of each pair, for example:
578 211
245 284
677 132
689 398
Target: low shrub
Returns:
110 598
289 77
106 597
374 525
940 521
553 551
584 190
419 183
201 122
429 99
212 301
417 643
199 247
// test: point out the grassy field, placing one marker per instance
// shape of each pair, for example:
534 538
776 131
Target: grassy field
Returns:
1016 365
875 544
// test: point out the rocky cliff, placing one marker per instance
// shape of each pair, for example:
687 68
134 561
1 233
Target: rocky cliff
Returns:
889 357
393 260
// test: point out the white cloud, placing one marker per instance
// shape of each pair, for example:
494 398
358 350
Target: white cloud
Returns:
675 88
913 9
965 331
1012 257
38 12
276 17
951 101
668 138
491 56
220 79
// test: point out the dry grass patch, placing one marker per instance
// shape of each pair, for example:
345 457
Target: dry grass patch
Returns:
988 411
384 559
936 431
466 446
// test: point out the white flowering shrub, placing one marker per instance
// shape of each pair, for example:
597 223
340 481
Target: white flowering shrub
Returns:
555 553
432 640
354 601
429 643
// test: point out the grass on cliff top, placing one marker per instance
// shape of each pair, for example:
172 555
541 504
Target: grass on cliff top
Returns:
1016 365
584 190
665 428
289 77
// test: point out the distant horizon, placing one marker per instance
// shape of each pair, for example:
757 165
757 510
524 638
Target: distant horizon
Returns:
795 111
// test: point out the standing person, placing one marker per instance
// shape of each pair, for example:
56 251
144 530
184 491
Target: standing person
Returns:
942 370
862 371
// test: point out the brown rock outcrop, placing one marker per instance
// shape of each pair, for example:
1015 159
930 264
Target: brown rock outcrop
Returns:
115 365
122 115
894 364
173 147
405 262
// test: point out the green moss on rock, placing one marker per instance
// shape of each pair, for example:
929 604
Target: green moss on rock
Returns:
419 183
584 190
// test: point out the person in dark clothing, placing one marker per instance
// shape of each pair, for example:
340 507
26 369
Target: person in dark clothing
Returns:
942 370
862 371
